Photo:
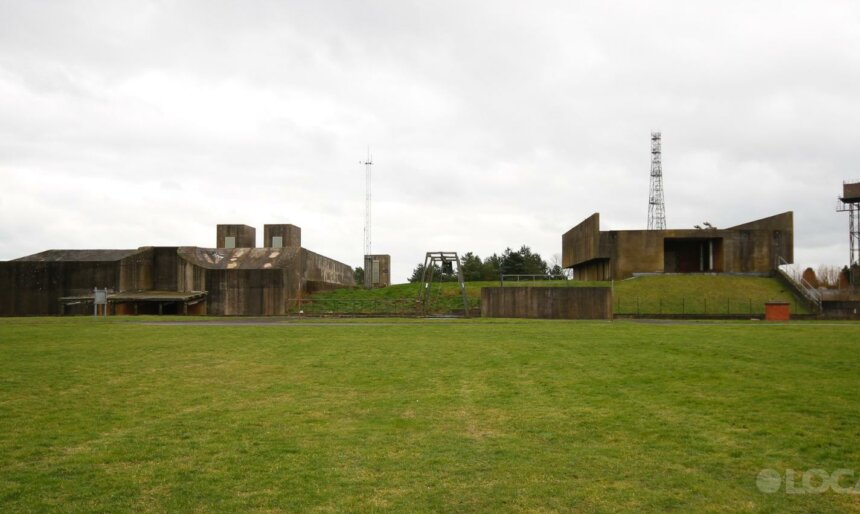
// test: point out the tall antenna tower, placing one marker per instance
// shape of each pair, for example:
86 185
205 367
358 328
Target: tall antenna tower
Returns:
367 165
656 203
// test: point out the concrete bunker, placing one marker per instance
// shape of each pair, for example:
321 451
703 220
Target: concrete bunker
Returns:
234 278
757 247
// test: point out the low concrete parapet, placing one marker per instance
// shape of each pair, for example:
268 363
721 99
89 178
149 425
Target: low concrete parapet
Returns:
547 302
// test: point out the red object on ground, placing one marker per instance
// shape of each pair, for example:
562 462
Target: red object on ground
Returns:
777 311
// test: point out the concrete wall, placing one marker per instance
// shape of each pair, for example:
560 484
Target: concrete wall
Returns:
321 273
594 270
547 302
237 292
241 282
290 235
636 251
33 287
581 243
165 269
246 292
246 237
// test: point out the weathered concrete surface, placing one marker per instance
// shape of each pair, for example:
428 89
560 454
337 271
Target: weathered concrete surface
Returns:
246 237
291 235
582 243
242 281
246 292
321 273
32 286
239 281
239 258
844 303
377 270
547 302
748 248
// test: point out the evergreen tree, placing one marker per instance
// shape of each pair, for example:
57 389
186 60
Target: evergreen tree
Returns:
473 268
510 262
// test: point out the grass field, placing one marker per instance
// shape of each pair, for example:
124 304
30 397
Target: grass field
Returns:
418 416
665 294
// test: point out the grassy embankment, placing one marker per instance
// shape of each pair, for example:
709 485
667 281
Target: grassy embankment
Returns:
668 294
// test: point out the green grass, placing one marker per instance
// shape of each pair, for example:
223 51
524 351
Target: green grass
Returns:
456 416
701 294
665 294
445 297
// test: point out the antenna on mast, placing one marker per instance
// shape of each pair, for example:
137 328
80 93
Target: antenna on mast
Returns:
367 165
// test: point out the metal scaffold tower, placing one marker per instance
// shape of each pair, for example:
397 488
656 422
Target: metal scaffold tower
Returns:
445 262
656 203
850 202
368 163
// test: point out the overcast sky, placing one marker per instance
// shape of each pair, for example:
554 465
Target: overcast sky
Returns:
492 124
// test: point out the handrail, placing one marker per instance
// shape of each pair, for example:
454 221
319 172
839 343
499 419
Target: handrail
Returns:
533 277
810 292
350 306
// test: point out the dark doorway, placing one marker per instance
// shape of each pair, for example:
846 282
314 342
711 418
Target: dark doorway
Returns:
692 255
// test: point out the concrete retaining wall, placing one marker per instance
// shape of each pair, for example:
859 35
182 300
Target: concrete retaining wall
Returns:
319 273
547 302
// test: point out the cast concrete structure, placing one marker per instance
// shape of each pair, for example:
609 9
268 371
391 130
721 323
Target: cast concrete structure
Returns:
282 236
236 236
377 271
547 302
219 281
754 248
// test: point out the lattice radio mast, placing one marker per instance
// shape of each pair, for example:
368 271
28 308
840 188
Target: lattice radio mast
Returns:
367 165
656 203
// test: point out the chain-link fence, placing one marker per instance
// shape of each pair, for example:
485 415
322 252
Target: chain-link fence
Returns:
380 307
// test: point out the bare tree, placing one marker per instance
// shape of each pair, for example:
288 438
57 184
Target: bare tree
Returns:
793 270
828 276
556 262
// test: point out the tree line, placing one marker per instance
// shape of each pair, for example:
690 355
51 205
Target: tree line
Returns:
509 262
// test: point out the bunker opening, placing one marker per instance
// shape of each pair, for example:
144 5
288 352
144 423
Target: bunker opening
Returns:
692 255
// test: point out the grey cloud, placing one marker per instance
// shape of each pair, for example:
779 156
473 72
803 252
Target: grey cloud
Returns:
492 125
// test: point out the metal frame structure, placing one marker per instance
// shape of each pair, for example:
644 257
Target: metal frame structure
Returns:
852 207
430 262
656 202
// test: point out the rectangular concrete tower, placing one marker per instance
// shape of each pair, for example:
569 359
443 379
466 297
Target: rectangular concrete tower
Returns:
282 236
377 271
236 236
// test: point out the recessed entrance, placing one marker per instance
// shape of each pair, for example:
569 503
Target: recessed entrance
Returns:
693 255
